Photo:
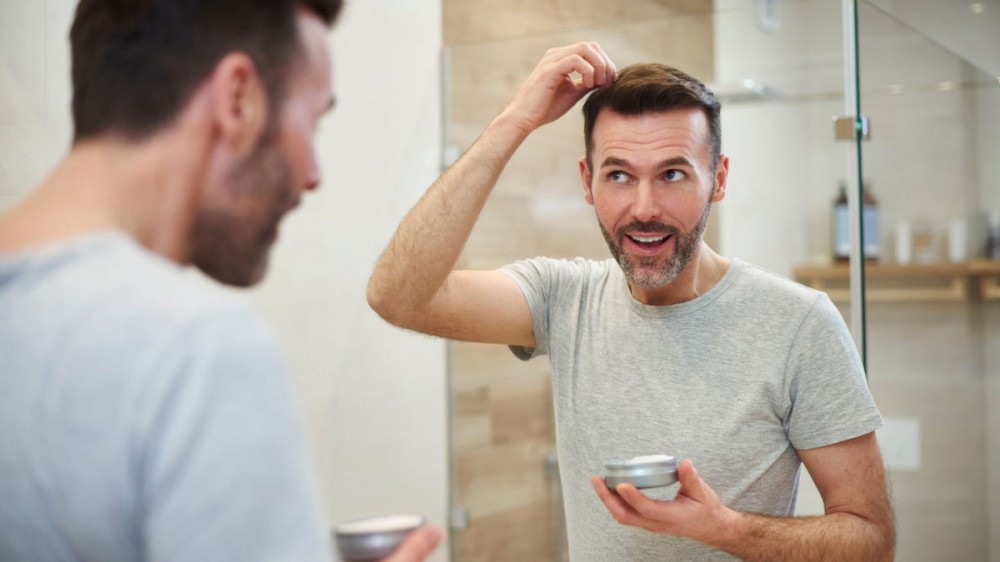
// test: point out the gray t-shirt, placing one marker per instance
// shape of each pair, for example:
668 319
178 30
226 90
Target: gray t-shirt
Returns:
735 380
144 415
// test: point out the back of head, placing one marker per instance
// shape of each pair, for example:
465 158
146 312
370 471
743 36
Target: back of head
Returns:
137 62
653 88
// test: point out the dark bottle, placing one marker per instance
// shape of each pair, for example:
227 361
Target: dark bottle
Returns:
840 233
993 238
869 214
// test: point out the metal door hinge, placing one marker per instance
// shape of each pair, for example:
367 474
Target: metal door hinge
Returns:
459 518
847 127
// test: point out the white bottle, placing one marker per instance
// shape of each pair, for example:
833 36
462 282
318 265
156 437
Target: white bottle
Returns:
956 241
904 243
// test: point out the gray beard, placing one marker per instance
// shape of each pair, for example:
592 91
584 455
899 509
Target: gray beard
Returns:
685 249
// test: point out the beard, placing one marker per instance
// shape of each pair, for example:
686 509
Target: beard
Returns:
645 272
231 239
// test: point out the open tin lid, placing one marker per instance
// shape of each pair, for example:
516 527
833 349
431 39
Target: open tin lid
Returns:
660 462
384 524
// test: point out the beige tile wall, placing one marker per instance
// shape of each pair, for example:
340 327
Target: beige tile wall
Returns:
503 427
927 362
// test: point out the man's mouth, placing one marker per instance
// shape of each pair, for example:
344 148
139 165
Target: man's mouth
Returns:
649 241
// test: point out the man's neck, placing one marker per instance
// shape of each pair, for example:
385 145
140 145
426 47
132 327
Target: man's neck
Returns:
143 189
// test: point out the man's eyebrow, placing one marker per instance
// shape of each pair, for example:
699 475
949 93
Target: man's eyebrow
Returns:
675 161
617 162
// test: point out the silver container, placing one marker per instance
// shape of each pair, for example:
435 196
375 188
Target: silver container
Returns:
650 471
364 540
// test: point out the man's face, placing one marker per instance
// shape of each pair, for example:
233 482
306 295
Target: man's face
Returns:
652 186
235 228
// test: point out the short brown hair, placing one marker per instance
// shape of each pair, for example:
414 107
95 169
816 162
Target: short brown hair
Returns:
136 62
653 88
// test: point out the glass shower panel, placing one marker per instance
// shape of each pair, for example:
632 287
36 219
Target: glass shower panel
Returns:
782 75
933 314
781 80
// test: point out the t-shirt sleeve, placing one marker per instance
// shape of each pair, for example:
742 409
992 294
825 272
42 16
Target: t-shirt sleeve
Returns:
223 466
533 277
828 399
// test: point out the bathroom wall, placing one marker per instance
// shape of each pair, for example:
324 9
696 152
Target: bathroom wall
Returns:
373 398
34 92
504 440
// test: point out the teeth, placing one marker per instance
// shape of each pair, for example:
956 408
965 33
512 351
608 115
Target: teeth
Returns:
649 239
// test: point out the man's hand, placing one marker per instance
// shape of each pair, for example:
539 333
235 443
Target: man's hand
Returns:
417 546
551 89
695 513
415 284
857 524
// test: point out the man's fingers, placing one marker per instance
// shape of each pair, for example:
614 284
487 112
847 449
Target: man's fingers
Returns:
417 546
644 506
588 60
604 69
583 67
616 506
691 484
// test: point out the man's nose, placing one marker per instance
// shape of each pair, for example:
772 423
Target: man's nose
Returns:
313 177
645 208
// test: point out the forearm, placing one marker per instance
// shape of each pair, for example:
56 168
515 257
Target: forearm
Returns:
835 536
429 240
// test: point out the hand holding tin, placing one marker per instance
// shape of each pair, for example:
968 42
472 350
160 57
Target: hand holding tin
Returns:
696 512
417 546
391 538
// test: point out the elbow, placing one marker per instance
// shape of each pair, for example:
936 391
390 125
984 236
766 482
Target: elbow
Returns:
888 536
884 540
382 304
392 308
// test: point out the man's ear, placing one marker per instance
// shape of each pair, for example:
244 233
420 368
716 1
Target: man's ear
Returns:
721 175
587 178
240 105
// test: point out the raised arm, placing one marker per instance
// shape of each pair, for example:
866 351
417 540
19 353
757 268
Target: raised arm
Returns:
857 524
414 285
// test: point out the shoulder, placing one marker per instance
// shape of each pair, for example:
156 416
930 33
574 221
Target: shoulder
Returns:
109 293
195 313
775 290
151 285
559 269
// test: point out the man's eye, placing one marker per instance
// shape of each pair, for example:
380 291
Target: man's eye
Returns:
618 176
673 175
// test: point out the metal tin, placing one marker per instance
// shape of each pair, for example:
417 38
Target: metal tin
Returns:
650 471
364 540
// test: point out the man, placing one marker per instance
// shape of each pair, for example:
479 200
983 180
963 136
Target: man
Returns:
143 415
668 348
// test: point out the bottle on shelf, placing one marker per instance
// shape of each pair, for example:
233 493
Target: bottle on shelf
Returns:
840 233
840 225
869 215
993 239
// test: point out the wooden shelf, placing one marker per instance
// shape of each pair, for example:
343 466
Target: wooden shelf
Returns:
893 282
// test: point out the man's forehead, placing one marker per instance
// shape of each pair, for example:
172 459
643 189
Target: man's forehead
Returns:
687 116
657 139
610 125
